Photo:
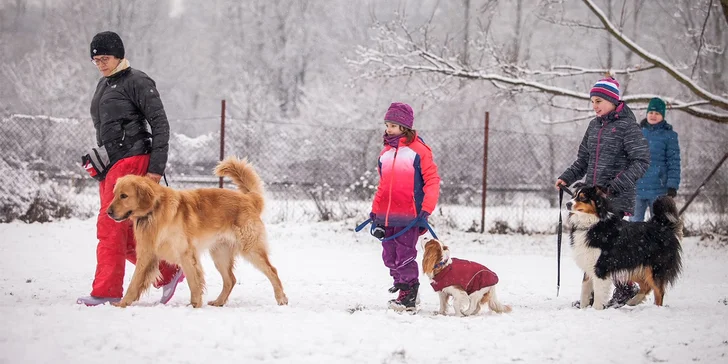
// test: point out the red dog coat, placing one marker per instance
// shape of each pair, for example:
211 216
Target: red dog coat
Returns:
471 276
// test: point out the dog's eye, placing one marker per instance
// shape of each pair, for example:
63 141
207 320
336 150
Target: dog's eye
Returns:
123 196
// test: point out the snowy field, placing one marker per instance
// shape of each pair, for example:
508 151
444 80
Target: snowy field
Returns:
337 287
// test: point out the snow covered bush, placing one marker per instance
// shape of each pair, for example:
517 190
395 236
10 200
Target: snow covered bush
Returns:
51 202
17 189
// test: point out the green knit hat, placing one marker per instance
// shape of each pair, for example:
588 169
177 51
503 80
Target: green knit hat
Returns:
656 104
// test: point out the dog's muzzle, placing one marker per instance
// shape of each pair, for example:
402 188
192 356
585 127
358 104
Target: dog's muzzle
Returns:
111 215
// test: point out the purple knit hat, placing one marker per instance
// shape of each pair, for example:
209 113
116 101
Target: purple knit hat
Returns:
400 114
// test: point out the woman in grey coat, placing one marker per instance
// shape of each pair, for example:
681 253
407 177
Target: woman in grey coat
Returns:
613 154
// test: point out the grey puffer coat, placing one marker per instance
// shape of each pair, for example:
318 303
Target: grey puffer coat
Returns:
614 154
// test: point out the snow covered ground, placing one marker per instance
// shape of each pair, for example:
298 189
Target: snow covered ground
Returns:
337 287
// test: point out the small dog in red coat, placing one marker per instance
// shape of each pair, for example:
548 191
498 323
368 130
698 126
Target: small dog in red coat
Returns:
469 283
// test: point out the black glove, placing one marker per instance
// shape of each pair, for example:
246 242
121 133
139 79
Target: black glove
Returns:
671 192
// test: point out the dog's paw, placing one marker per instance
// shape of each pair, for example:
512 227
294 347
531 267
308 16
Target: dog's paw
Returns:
282 300
121 304
216 303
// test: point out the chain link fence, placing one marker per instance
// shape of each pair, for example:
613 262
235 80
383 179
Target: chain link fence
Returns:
321 172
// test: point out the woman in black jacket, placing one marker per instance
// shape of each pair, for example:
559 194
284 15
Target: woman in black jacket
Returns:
131 124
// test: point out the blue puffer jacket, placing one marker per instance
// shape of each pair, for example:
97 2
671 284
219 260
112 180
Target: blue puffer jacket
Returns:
664 170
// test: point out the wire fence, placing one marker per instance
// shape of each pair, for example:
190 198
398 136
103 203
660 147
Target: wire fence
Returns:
331 172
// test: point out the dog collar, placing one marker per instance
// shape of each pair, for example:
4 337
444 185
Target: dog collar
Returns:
444 261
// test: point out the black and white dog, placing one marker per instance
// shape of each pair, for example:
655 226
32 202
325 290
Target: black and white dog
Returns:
608 248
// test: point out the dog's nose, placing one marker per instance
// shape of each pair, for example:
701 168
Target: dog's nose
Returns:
568 205
110 212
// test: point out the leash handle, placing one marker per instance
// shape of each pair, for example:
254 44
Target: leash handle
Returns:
409 226
558 240
562 189
406 228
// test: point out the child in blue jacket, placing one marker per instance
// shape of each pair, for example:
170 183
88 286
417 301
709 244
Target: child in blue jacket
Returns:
663 176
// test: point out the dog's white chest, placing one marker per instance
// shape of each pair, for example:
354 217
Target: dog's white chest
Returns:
584 256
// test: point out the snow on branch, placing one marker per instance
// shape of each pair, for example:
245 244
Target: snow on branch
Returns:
403 56
714 99
580 71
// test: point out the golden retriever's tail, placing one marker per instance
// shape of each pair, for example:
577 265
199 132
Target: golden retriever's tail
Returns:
244 176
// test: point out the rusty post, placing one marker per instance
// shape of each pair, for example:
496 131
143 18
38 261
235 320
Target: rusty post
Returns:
485 171
222 134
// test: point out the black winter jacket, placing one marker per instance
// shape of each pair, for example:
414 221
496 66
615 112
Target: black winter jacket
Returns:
122 107
613 154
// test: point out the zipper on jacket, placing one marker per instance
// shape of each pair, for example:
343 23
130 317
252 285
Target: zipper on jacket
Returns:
596 158
389 199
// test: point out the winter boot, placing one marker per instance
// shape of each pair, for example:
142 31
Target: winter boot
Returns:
623 292
169 288
396 303
411 300
96 301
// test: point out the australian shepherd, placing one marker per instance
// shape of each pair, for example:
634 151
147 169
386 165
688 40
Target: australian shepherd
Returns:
470 284
609 249
177 226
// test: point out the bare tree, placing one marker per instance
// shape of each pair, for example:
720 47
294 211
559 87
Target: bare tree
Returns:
399 54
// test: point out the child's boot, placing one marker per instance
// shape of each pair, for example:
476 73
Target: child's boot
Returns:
411 300
396 303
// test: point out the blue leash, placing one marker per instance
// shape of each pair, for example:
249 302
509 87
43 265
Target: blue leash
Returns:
411 225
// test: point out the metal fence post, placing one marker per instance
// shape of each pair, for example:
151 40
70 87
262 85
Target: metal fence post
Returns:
222 134
485 171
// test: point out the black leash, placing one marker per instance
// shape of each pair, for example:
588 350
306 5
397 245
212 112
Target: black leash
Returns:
562 189
165 179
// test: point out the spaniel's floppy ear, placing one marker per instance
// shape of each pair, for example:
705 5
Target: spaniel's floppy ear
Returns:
145 194
431 256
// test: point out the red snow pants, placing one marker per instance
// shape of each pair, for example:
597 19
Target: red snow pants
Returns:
116 239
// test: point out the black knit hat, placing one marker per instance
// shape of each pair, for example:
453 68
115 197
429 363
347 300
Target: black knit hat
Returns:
107 43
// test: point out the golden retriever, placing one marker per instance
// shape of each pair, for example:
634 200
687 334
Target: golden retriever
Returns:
470 284
177 226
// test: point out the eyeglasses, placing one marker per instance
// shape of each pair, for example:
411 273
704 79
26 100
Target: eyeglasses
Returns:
103 60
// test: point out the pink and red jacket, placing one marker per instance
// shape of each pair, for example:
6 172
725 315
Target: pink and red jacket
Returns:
408 183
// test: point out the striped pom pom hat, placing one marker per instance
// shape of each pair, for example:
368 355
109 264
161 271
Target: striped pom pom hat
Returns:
606 88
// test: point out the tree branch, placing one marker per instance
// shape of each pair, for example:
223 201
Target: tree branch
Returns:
441 66
566 121
570 24
401 56
701 40
580 71
714 99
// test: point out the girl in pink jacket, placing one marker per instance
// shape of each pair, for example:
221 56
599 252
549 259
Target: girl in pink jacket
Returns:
409 187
